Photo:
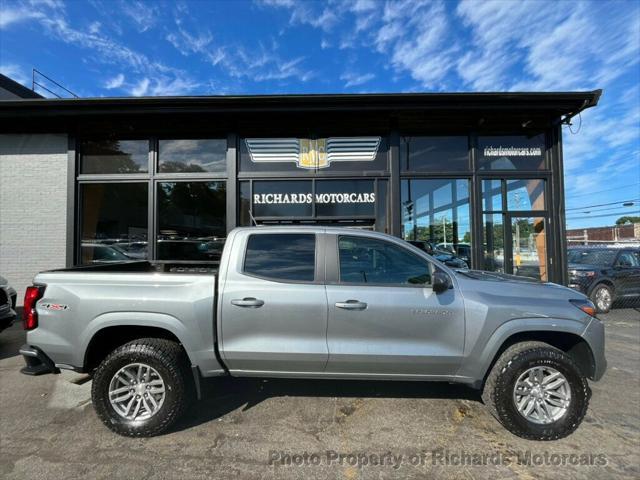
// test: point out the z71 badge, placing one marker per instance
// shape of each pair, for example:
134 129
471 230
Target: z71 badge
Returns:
54 306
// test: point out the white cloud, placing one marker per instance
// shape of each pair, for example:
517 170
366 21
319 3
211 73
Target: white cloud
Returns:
157 77
141 88
114 82
353 79
305 12
144 15
15 72
15 14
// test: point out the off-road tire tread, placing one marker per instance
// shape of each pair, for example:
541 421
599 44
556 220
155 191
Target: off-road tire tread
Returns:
515 354
173 358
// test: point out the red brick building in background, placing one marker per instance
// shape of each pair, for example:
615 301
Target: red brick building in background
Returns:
606 235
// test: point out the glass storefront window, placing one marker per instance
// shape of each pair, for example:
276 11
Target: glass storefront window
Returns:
434 154
492 195
511 152
437 211
191 220
525 194
529 239
114 156
113 222
192 156
493 243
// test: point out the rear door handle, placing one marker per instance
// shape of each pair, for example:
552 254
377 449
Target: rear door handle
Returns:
351 305
248 302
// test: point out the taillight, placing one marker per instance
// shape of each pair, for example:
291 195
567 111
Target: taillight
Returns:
586 306
29 314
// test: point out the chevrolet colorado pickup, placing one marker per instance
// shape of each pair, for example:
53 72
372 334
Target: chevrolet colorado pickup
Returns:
315 302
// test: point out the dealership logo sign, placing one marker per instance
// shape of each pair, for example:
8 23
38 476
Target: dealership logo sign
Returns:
302 198
310 153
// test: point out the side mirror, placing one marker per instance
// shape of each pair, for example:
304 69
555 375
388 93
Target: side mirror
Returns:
428 248
441 282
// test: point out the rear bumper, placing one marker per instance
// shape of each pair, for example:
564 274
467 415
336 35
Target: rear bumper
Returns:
37 362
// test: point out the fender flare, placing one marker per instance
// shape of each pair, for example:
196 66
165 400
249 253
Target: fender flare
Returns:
135 319
483 356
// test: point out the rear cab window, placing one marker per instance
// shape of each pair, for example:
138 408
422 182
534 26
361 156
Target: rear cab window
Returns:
284 257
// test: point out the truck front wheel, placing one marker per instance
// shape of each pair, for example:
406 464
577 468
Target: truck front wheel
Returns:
140 389
537 391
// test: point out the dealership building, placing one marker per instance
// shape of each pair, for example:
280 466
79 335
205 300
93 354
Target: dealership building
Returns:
88 180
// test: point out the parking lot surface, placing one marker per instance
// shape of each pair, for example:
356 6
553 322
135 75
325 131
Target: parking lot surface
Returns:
317 429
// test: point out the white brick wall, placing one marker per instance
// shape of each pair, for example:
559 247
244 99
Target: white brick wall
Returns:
33 206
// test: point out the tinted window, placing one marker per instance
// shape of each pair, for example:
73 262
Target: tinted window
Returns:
365 260
628 259
114 156
193 155
191 220
434 154
114 215
511 152
281 256
592 257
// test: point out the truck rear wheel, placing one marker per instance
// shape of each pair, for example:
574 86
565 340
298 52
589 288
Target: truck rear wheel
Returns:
537 392
140 389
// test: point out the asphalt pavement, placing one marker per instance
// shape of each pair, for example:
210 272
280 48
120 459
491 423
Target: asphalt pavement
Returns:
317 429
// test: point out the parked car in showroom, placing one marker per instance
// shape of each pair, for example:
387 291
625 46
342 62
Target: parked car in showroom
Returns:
8 298
315 302
605 274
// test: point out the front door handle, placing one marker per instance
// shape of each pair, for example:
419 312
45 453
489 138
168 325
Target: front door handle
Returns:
248 302
351 305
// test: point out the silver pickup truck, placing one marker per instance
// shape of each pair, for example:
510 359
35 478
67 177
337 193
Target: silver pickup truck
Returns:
315 302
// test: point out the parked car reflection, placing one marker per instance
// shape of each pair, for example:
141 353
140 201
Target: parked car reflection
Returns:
100 253
447 257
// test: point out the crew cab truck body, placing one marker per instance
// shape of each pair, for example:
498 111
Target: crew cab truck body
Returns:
315 302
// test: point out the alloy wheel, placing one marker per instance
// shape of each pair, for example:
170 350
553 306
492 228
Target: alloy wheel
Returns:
137 391
542 395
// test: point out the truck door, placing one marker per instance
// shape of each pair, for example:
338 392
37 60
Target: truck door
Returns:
273 304
384 317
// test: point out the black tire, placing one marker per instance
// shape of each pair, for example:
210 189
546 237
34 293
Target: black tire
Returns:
499 387
170 362
602 306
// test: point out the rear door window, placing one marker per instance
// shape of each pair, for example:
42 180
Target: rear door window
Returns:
281 256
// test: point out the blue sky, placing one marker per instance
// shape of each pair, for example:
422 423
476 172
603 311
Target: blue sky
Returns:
124 48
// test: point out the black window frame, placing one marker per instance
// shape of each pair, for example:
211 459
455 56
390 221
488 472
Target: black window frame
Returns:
317 277
152 177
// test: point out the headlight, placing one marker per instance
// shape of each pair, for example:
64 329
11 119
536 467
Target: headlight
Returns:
584 273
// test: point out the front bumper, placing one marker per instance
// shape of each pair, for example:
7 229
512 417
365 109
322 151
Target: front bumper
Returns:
37 362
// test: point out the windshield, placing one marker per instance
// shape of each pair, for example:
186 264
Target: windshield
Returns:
592 257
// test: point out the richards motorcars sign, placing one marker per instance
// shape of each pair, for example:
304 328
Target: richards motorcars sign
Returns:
301 198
